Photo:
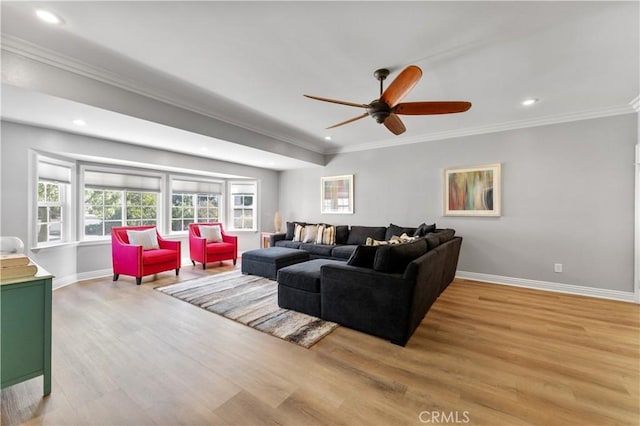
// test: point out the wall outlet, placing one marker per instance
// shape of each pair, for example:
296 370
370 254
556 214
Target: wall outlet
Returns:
557 267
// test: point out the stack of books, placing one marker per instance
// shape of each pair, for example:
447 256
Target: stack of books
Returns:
16 266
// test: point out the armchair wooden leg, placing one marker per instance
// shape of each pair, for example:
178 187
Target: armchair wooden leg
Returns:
234 262
194 262
204 266
138 280
116 276
177 272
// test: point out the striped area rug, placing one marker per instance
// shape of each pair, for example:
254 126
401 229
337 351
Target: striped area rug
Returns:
253 301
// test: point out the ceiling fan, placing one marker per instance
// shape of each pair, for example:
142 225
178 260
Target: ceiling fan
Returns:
387 108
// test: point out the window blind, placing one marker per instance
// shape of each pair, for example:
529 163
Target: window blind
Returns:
54 172
196 187
121 181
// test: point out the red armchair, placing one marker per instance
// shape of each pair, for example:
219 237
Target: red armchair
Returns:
133 260
204 252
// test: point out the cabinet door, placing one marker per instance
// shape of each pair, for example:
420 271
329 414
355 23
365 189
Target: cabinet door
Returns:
22 331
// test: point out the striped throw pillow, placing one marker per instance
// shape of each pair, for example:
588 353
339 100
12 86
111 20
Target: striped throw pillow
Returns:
298 233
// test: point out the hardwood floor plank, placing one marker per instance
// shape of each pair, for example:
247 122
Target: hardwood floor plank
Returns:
499 355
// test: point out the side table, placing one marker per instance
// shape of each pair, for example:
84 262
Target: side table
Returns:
266 239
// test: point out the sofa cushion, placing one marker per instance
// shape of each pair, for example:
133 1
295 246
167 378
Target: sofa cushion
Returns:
363 256
213 248
424 229
343 252
151 257
398 230
288 244
432 241
319 249
395 258
358 234
342 234
443 235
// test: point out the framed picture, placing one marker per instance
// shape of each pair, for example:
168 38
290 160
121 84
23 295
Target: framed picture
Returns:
336 194
472 191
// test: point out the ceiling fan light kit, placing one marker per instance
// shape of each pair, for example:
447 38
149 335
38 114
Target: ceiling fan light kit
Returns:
387 107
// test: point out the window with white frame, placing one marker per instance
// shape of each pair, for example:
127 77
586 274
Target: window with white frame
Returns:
243 196
53 196
119 199
194 201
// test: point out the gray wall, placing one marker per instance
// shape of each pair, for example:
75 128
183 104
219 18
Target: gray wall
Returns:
67 261
568 197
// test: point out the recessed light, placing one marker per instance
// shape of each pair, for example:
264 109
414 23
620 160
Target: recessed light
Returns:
79 122
530 101
49 17
328 138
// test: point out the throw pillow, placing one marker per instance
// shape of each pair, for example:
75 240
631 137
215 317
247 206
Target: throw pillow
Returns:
371 242
424 229
212 233
291 228
397 231
148 238
394 258
320 233
358 234
363 256
298 234
329 235
342 234
310 234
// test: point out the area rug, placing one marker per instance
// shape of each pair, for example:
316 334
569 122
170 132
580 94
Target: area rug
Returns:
253 301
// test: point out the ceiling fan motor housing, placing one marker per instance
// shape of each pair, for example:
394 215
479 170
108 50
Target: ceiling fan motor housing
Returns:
379 110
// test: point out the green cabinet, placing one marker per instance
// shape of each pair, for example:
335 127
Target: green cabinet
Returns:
25 330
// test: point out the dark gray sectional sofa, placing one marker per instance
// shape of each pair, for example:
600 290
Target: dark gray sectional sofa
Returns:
381 290
347 239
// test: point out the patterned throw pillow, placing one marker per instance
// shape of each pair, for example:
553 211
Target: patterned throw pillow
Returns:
329 235
321 229
148 238
212 233
298 233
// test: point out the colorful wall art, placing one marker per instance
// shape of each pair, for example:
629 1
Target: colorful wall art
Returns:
472 191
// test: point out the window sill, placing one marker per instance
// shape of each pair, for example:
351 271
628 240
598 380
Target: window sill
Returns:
54 246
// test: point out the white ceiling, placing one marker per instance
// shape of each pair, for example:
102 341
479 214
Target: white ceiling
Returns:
248 64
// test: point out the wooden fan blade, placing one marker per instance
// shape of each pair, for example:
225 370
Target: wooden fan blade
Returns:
402 85
429 108
317 98
394 124
351 120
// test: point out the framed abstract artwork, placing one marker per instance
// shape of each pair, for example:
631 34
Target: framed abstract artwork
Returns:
472 191
336 194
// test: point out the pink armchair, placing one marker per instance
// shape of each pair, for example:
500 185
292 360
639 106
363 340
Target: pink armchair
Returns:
204 253
132 260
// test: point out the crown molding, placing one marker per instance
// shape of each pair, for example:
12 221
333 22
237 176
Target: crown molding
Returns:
38 53
493 128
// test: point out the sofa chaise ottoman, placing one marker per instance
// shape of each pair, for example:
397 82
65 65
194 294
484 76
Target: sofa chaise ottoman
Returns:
299 286
266 262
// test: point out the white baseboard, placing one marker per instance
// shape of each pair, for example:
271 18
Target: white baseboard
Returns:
72 279
549 286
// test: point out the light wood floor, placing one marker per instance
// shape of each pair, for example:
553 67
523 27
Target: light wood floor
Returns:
485 354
